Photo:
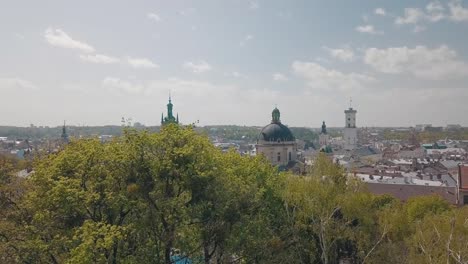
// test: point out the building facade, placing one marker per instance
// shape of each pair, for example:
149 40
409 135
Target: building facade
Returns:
276 142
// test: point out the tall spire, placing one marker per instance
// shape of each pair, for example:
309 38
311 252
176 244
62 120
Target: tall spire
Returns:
169 109
170 116
64 132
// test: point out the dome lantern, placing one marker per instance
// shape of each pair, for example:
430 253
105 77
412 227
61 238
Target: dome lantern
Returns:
275 116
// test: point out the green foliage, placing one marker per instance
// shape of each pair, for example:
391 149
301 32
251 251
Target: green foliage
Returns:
441 238
143 196
418 207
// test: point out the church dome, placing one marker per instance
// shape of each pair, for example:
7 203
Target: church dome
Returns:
276 132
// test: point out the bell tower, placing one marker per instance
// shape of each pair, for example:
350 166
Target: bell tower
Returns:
350 130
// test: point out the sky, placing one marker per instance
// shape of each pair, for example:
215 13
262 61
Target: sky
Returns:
399 63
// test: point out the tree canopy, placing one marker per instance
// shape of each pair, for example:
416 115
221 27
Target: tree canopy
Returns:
172 197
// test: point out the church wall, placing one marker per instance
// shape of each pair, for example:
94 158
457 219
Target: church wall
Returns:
324 139
271 150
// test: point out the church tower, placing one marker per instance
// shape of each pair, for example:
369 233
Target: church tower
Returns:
324 138
64 135
350 130
277 143
169 119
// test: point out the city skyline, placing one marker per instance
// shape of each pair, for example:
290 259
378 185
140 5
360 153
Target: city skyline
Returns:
231 62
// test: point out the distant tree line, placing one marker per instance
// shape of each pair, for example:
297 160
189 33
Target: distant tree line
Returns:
172 196
427 136
230 132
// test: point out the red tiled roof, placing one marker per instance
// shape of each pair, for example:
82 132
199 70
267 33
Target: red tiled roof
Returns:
406 191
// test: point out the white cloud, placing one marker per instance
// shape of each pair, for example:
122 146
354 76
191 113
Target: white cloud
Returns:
380 11
411 16
434 12
321 78
457 11
435 7
58 38
154 17
141 63
433 64
344 54
197 67
245 40
369 29
254 5
279 77
120 87
17 83
237 74
99 59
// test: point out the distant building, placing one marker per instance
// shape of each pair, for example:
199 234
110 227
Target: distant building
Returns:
453 127
324 138
169 119
64 135
350 130
422 127
434 129
277 142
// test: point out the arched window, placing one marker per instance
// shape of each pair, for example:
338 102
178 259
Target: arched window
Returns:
279 156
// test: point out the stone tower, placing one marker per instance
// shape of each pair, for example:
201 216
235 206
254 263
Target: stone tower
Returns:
350 130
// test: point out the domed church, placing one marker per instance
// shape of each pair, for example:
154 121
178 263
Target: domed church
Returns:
276 142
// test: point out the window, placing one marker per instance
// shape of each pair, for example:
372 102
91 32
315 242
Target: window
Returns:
279 156
465 199
289 156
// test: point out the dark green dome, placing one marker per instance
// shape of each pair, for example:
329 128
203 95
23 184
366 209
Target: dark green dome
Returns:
276 131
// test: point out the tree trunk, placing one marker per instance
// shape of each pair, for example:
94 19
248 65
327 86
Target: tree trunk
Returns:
206 253
167 252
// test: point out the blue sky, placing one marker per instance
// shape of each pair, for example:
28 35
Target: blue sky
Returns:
231 62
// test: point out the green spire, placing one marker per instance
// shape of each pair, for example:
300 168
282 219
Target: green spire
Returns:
64 133
169 109
170 116
275 116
